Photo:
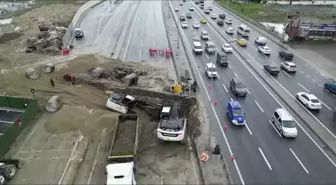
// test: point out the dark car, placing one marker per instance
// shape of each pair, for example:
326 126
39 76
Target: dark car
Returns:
189 15
331 87
79 33
201 6
207 11
210 8
182 18
202 1
286 55
221 16
196 2
222 59
220 22
237 87
272 69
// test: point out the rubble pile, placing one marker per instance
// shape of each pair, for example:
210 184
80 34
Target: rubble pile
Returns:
48 40
125 76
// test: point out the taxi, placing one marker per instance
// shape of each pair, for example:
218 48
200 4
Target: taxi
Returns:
204 21
242 42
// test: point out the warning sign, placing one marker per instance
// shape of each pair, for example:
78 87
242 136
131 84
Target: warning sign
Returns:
204 157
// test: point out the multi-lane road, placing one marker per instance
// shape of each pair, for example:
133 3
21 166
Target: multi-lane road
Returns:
261 155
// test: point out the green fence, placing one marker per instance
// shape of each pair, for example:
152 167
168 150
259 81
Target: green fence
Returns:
31 108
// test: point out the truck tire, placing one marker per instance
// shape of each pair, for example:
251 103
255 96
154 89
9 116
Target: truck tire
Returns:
9 171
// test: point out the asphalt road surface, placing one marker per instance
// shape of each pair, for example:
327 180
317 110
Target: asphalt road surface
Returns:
146 31
307 79
261 155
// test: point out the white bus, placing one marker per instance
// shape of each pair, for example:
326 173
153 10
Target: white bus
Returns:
243 30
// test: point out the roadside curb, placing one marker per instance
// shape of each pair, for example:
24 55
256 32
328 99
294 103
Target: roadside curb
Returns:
290 102
183 44
277 41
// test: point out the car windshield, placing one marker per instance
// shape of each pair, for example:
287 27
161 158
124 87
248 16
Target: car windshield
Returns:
288 124
227 45
274 68
198 47
238 112
211 46
247 31
78 31
315 101
212 69
292 66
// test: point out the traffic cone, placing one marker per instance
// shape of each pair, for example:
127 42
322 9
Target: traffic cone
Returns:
225 127
232 157
215 102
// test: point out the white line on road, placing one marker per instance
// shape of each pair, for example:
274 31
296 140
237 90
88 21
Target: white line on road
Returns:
263 155
325 105
207 55
314 80
230 66
287 74
248 129
99 24
308 76
247 90
225 88
259 106
231 99
273 63
142 34
296 157
26 140
303 87
276 130
154 43
235 74
301 72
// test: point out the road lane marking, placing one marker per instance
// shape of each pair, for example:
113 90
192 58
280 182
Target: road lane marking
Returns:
225 88
247 90
248 129
99 24
230 66
297 158
276 130
273 63
308 76
154 43
287 74
314 80
263 155
132 30
303 87
142 34
228 145
231 99
326 155
207 55
325 105
259 106
301 72
235 74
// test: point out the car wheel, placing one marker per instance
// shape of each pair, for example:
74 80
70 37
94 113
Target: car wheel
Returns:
281 132
307 106
297 97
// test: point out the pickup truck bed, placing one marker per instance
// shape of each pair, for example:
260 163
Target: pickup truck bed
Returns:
126 136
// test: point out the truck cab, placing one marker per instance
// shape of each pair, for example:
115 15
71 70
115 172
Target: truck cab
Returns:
120 174
172 126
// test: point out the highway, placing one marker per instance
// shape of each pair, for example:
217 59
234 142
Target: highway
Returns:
146 31
262 156
307 79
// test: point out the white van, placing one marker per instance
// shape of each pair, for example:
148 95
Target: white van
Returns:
243 30
197 47
284 123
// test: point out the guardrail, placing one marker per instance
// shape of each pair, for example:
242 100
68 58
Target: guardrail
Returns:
289 101
261 29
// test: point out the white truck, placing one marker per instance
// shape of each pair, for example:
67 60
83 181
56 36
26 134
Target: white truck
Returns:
120 168
121 103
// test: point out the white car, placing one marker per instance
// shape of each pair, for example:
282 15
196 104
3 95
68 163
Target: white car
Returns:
184 25
229 30
227 48
204 35
261 41
288 66
309 100
196 25
264 50
228 21
176 9
213 16
120 103
191 9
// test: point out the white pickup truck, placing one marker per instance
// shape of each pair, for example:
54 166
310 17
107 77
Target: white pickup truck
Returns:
120 103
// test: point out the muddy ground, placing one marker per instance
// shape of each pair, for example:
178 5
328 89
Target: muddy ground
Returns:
13 36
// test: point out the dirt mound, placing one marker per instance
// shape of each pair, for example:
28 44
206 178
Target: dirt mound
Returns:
87 121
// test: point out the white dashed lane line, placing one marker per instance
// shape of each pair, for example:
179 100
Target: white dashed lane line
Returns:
263 156
303 87
225 88
297 158
259 106
287 74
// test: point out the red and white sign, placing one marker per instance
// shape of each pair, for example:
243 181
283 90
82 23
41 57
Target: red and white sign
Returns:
204 157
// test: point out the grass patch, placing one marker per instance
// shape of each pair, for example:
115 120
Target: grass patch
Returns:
270 13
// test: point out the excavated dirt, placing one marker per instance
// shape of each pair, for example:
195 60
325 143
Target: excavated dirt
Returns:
125 138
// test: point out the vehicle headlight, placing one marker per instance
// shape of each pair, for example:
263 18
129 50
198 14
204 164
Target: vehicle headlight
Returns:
234 121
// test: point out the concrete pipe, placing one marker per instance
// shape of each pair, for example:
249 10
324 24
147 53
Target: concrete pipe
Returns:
131 79
97 72
32 73
49 68
53 104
